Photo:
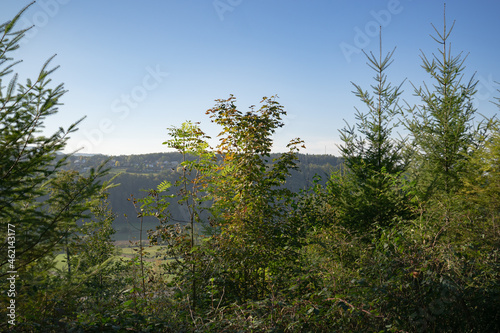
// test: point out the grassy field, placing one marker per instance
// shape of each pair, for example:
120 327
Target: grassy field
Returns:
126 251
131 251
61 261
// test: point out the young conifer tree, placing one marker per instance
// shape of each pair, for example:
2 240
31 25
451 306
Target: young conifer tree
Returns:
372 157
442 127
32 222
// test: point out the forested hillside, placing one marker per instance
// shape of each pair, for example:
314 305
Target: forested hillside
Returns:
138 173
399 234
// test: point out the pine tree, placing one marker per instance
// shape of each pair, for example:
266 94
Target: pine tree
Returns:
374 160
94 248
35 222
442 127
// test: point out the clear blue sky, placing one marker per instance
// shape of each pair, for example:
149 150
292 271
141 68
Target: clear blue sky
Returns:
135 68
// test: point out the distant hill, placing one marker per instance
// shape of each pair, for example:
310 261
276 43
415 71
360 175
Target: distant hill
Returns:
141 172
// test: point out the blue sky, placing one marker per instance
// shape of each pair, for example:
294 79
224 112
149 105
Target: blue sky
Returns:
135 68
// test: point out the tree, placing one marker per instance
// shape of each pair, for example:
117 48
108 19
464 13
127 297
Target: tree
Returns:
442 127
482 179
29 161
251 207
251 236
94 248
367 192
195 172
62 185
